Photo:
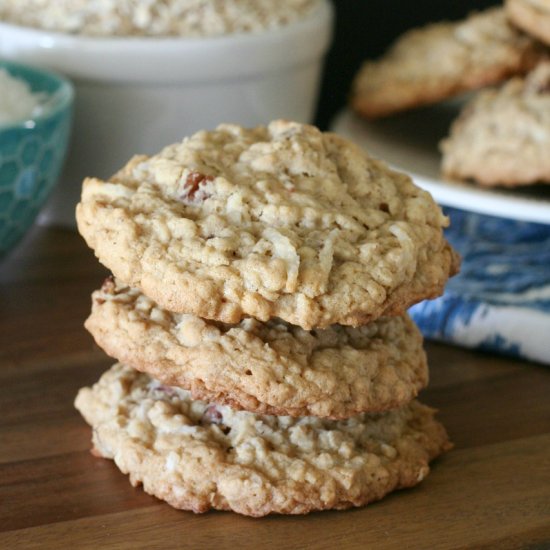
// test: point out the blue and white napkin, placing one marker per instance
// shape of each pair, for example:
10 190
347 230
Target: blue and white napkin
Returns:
500 301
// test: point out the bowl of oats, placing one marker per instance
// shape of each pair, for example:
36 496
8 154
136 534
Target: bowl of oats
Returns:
35 120
148 72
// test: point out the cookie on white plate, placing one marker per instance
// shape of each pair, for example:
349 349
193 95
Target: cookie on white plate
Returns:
502 136
428 64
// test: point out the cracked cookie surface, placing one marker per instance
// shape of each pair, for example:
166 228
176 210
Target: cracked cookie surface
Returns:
272 367
279 221
440 60
197 456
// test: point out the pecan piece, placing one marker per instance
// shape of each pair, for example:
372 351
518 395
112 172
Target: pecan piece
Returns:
211 415
107 287
192 187
169 391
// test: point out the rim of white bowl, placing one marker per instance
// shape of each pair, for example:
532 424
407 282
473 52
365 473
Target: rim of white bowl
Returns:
171 59
63 96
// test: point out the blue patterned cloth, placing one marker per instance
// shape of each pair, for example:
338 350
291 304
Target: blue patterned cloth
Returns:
500 301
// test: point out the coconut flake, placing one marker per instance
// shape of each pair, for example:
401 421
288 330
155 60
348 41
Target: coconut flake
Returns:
17 101
284 249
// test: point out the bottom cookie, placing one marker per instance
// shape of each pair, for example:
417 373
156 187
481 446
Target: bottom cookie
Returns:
198 456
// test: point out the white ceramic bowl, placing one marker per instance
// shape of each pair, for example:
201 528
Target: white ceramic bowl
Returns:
136 95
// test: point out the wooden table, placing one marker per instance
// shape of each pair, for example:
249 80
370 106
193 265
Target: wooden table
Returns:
491 491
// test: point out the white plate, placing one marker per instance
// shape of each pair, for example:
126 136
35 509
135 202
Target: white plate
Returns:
408 142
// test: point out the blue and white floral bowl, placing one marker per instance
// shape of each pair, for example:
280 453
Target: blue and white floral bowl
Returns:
32 153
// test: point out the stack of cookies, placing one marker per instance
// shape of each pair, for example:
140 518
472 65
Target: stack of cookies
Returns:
258 310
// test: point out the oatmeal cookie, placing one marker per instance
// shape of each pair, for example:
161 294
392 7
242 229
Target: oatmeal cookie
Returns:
441 60
272 367
531 16
198 456
502 137
278 221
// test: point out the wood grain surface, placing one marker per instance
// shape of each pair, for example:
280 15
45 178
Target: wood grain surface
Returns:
491 491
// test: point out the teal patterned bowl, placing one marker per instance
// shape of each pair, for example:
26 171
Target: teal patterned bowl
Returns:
32 153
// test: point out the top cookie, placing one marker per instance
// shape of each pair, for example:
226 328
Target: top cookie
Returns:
279 221
440 60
